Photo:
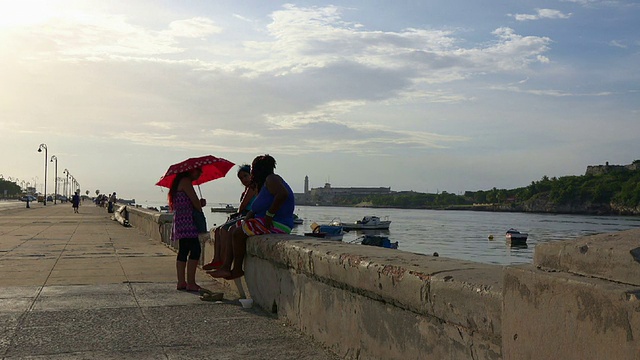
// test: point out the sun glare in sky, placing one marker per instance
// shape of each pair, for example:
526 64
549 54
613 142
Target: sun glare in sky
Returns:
24 12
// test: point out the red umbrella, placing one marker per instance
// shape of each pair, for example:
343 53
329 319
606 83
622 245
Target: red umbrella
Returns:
212 168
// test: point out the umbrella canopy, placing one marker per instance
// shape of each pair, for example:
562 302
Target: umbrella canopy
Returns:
212 168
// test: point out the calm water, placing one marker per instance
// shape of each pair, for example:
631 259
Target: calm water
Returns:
462 234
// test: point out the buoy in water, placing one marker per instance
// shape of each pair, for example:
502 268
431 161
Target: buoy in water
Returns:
490 237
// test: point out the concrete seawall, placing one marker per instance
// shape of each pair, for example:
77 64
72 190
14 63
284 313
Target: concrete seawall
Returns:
578 300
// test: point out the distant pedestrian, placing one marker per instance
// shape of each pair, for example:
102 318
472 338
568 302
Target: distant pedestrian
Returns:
75 202
112 201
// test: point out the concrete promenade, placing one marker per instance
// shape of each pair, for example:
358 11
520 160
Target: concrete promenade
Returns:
81 286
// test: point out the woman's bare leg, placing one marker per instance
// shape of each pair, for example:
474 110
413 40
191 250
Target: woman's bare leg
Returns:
180 267
228 250
239 244
192 265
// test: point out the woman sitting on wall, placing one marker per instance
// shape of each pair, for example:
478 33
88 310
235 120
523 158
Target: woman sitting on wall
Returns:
222 234
271 213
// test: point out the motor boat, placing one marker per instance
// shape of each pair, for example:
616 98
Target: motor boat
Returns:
378 240
369 223
515 237
326 232
227 209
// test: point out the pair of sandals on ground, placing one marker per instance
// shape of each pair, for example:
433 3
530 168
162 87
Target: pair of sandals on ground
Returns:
205 294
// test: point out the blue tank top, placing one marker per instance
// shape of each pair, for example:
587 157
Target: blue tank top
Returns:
264 199
249 205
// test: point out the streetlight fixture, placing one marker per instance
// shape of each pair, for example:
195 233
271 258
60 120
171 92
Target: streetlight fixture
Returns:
55 194
46 157
66 183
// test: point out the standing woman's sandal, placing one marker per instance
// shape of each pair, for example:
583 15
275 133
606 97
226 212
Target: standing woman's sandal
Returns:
193 288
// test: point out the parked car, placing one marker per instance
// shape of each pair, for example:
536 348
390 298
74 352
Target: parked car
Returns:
29 198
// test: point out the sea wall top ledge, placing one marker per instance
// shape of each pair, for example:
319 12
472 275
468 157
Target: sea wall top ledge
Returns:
152 215
614 256
461 292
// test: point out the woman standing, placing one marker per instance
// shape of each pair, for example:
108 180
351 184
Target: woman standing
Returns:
183 201
271 213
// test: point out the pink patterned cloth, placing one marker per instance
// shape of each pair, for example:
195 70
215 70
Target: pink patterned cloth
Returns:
183 225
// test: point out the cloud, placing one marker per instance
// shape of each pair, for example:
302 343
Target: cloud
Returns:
617 43
604 3
184 87
195 27
541 14
548 92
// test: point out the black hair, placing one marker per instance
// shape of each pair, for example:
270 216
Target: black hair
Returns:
244 167
262 167
174 186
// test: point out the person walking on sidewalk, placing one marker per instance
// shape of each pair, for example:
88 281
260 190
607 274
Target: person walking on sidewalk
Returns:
75 202
183 201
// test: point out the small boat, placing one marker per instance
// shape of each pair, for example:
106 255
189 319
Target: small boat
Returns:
378 240
326 232
227 209
369 222
515 237
297 220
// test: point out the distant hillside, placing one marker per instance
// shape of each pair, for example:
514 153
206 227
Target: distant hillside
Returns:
604 189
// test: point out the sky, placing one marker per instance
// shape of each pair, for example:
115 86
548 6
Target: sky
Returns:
428 96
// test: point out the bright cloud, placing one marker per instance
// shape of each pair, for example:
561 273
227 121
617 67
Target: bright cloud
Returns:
307 82
541 14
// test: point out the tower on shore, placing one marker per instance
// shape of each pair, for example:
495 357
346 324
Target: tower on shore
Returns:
306 184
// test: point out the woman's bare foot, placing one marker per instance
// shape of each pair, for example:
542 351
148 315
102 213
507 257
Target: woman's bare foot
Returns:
235 274
214 264
220 273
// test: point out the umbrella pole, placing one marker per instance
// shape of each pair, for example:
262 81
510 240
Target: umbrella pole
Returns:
200 191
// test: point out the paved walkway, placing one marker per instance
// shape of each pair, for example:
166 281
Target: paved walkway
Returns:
81 286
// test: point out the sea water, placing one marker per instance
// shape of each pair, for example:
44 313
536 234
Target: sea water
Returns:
467 235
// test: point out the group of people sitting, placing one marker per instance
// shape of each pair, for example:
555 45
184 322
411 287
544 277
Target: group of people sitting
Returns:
266 207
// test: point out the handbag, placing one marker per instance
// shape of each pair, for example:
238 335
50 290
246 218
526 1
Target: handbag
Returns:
200 221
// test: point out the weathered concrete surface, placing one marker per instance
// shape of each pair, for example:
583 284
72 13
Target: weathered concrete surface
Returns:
580 302
80 286
148 222
554 315
374 303
614 256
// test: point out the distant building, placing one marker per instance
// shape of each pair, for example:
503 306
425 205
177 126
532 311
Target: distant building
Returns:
606 168
326 195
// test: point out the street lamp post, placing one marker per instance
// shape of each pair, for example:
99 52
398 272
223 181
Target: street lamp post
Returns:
46 157
55 194
66 183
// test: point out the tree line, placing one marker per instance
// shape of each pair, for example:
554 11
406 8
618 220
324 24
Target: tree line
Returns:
614 192
9 189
